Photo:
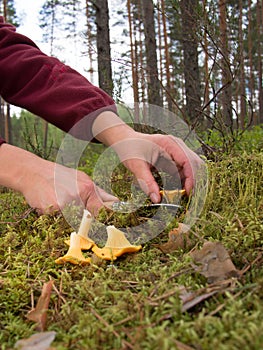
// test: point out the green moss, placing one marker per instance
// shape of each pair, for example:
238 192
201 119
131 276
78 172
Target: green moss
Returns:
135 302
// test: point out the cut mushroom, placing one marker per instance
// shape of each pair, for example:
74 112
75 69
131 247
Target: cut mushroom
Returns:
74 254
116 245
169 195
86 243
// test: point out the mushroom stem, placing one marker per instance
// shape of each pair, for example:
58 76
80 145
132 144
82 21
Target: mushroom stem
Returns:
85 241
85 224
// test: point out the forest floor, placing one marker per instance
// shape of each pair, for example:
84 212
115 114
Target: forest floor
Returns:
154 299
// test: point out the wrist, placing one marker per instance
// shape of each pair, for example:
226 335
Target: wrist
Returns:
108 128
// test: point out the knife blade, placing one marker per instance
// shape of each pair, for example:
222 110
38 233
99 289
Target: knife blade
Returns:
122 206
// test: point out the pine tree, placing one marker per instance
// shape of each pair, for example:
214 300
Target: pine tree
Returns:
103 46
189 11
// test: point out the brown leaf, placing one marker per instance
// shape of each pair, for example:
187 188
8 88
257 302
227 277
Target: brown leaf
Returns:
191 299
37 341
39 313
178 239
214 262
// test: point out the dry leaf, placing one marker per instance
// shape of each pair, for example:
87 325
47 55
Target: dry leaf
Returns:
39 313
178 239
38 341
214 262
191 299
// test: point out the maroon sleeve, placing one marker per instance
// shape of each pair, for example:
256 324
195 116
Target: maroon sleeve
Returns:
46 87
1 141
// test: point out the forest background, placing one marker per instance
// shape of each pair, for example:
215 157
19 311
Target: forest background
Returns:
200 59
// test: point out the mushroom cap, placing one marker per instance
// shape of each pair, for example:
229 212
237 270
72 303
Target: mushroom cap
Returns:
74 254
107 253
116 245
85 243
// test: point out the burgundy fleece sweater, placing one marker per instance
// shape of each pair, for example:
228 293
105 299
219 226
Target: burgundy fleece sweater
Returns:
46 87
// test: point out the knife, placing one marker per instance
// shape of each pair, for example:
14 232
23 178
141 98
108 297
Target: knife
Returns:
121 206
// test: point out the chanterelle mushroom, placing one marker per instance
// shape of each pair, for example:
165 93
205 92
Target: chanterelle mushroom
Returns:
116 245
169 195
74 254
85 241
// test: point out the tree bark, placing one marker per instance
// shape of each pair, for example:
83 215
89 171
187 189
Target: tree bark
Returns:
226 100
103 46
167 58
135 84
259 46
191 67
251 84
243 109
153 86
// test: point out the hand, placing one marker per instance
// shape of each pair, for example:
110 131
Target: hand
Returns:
163 152
56 186
47 186
140 152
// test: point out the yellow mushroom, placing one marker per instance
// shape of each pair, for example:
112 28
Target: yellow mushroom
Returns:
169 195
74 254
85 242
116 245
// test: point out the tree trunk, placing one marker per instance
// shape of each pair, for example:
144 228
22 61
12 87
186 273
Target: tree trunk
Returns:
207 76
161 72
226 100
243 109
90 42
251 83
191 67
259 31
135 84
167 58
153 86
103 46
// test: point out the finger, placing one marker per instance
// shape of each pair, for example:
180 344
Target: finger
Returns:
96 198
187 161
145 179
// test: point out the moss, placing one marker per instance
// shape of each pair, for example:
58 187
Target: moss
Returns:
134 303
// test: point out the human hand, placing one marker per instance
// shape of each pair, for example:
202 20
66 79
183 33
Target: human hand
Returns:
141 152
166 153
47 186
62 186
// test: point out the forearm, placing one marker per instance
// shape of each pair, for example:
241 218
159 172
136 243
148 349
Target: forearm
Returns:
16 165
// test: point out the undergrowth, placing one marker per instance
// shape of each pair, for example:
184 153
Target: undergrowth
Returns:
134 303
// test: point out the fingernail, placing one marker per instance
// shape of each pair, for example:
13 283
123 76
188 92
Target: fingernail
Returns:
154 198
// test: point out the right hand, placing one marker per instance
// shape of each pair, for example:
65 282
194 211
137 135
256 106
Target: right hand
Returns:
46 186
54 186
